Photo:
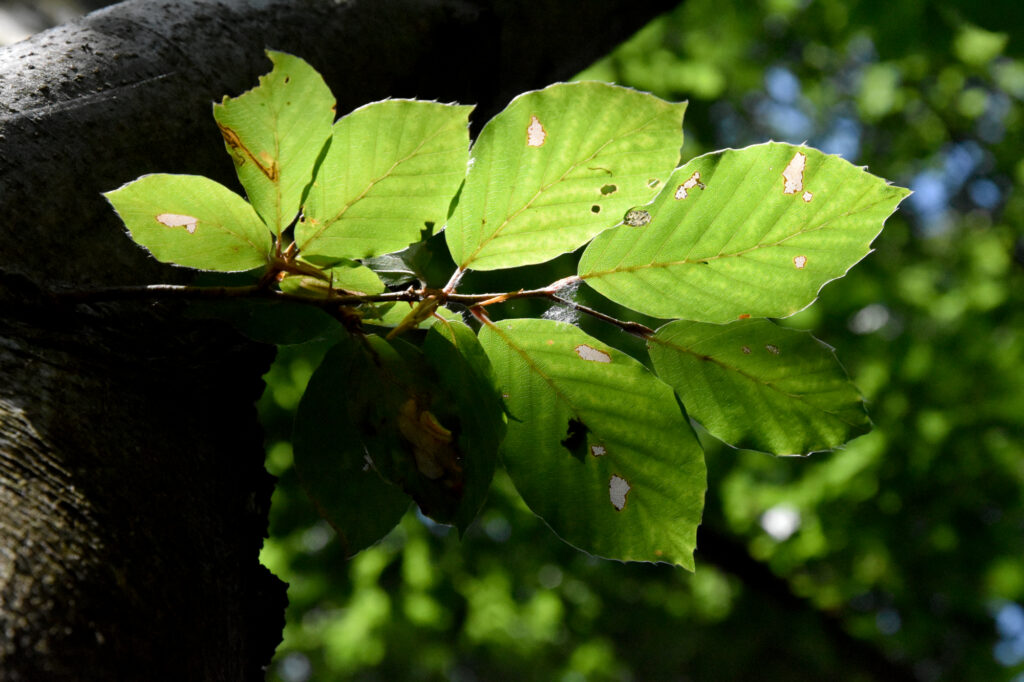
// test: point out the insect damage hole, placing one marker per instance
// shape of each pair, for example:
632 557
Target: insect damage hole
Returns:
618 490
682 191
800 262
592 354
636 217
595 209
535 133
807 197
793 174
190 223
609 189
598 450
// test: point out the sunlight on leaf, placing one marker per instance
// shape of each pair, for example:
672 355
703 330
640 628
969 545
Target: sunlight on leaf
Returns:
597 445
760 386
758 235
558 166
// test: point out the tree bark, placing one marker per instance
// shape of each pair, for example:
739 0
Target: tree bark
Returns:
133 499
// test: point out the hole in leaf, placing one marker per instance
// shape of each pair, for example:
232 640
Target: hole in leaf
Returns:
597 450
618 490
593 354
190 223
595 209
636 217
575 440
535 133
793 175
807 197
609 189
694 181
653 182
800 262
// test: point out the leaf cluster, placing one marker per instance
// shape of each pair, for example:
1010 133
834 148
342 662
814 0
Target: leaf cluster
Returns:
425 390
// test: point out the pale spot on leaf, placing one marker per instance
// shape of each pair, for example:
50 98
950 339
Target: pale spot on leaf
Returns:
535 133
190 223
774 350
800 262
694 181
793 175
807 197
593 354
597 450
618 489
636 217
746 350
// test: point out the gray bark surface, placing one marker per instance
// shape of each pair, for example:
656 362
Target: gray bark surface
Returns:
133 499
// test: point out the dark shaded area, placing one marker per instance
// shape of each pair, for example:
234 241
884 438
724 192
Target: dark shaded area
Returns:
132 492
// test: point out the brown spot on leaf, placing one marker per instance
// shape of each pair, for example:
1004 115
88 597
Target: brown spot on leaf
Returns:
744 316
535 133
432 446
774 350
800 262
240 153
592 354
618 490
694 181
746 350
793 174
190 223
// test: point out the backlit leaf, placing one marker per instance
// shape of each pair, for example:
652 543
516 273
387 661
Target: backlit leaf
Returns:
275 133
597 445
392 167
556 167
760 386
754 232
193 221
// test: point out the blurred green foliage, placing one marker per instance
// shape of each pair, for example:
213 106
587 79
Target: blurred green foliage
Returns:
901 556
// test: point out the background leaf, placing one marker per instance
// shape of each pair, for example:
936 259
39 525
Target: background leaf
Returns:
275 133
464 370
597 446
193 221
760 386
392 167
754 232
332 449
556 167
343 274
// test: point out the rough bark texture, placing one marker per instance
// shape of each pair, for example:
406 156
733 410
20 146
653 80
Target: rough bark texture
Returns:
133 498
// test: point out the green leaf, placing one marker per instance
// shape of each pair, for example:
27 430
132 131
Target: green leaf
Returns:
754 232
394 315
275 133
343 275
558 166
391 167
193 221
464 371
598 447
429 423
332 449
759 386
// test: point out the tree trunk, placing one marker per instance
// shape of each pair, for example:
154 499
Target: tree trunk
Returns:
133 499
